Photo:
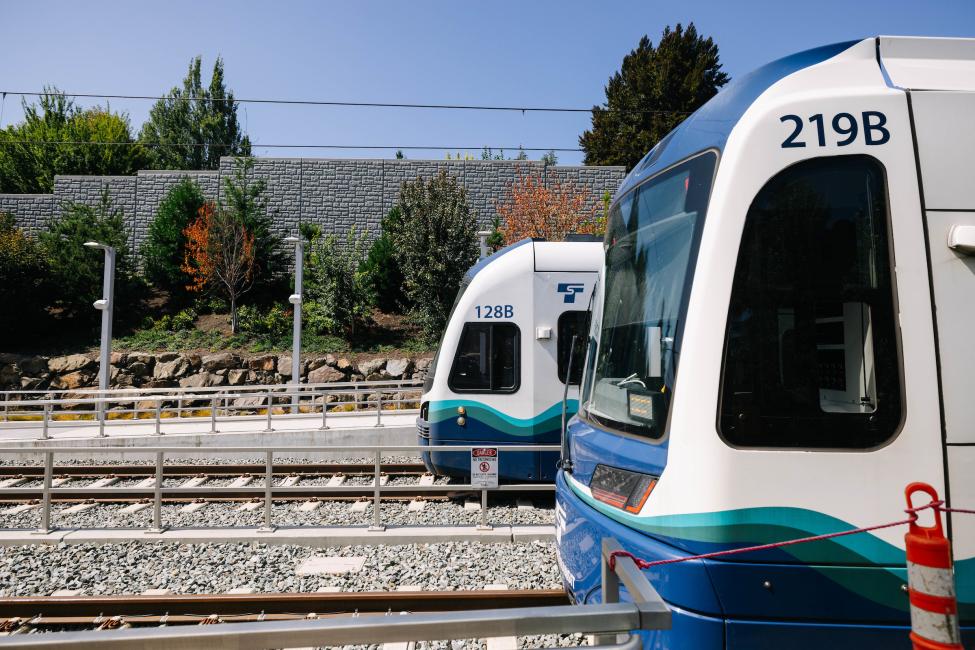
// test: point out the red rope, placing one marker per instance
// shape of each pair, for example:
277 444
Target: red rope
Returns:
912 517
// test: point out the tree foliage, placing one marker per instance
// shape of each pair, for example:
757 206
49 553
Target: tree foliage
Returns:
435 243
220 256
533 208
383 269
23 274
163 251
654 90
244 197
76 271
193 126
57 137
339 289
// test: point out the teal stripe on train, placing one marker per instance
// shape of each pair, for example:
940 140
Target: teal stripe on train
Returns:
709 531
548 419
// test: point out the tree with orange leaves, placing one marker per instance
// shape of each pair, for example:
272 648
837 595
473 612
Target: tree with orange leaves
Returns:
552 210
219 256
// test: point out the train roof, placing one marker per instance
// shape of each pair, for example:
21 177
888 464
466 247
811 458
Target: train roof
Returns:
540 255
905 62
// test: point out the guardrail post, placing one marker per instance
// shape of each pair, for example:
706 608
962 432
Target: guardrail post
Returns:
324 426
484 525
379 409
157 526
101 414
47 421
268 487
270 406
377 525
179 406
45 526
213 414
6 415
159 417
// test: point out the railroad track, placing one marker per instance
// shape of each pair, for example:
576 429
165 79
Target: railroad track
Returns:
232 469
24 614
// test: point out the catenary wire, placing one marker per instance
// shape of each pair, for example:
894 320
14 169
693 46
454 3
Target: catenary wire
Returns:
255 145
316 102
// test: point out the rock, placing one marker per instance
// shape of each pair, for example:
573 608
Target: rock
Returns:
237 376
142 357
254 401
119 358
423 364
372 366
376 376
32 383
344 365
324 375
220 361
195 361
9 374
398 368
138 369
166 357
176 367
266 363
330 360
72 381
71 363
122 379
33 366
202 380
160 383
315 364
284 365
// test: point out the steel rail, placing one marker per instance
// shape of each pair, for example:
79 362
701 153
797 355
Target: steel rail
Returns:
37 471
276 603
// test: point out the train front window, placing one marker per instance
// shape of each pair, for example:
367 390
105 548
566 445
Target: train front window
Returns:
811 354
487 359
651 247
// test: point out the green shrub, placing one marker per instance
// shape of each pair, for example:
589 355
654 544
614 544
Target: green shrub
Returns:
165 244
383 269
435 243
273 324
23 273
76 270
338 289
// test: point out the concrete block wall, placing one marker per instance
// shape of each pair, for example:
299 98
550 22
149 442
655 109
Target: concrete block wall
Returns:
336 194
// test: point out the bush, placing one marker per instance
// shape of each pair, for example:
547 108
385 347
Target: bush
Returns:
165 245
23 273
182 321
271 325
383 269
435 243
339 291
76 270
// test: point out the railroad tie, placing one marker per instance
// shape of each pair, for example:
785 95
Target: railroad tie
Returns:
336 480
105 481
241 481
361 506
79 507
250 506
402 645
500 642
23 507
59 481
416 505
13 481
146 482
426 479
199 504
290 481
196 481
134 508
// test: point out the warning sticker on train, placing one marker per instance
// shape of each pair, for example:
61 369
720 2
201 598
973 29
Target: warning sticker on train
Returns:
484 467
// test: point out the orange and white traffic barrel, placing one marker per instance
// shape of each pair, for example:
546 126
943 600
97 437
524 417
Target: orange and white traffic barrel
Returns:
931 581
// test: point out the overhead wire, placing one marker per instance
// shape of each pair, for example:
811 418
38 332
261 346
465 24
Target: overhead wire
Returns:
256 145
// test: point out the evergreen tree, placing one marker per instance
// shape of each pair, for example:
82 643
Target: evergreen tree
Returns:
32 152
675 78
243 197
194 126
165 246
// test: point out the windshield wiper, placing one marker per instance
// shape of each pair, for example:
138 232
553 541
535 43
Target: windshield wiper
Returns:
632 379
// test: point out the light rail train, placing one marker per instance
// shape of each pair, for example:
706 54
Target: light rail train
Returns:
782 340
500 371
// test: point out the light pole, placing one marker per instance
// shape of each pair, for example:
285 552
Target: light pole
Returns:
105 305
295 299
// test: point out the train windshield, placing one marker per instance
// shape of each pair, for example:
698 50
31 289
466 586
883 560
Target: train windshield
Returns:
651 246
431 371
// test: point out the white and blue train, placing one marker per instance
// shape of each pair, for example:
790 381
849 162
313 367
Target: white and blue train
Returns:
500 371
783 338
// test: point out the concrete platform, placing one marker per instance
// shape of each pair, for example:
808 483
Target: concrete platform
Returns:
302 536
398 428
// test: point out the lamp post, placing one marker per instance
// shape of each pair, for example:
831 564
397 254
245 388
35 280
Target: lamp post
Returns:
105 305
295 299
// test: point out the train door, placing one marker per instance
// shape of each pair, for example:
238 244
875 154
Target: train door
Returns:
561 309
945 142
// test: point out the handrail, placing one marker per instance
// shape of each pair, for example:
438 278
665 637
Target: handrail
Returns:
647 611
157 491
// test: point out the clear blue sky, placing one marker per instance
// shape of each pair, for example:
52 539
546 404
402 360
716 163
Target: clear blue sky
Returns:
527 52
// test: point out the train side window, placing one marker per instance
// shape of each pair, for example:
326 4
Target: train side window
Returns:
572 323
487 359
811 355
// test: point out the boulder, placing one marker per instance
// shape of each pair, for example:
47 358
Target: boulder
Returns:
161 383
195 361
32 383
315 364
202 380
220 361
398 368
344 365
266 363
33 366
237 376
423 365
253 401
324 375
166 357
122 379
144 357
178 366
71 363
9 374
119 358
330 360
372 366
138 369
72 381
376 376
284 365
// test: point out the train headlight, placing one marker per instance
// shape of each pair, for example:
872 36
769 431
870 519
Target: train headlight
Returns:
621 488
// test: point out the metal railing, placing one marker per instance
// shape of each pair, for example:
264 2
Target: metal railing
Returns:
614 622
124 406
269 490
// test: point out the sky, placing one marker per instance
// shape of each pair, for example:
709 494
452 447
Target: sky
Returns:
504 52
